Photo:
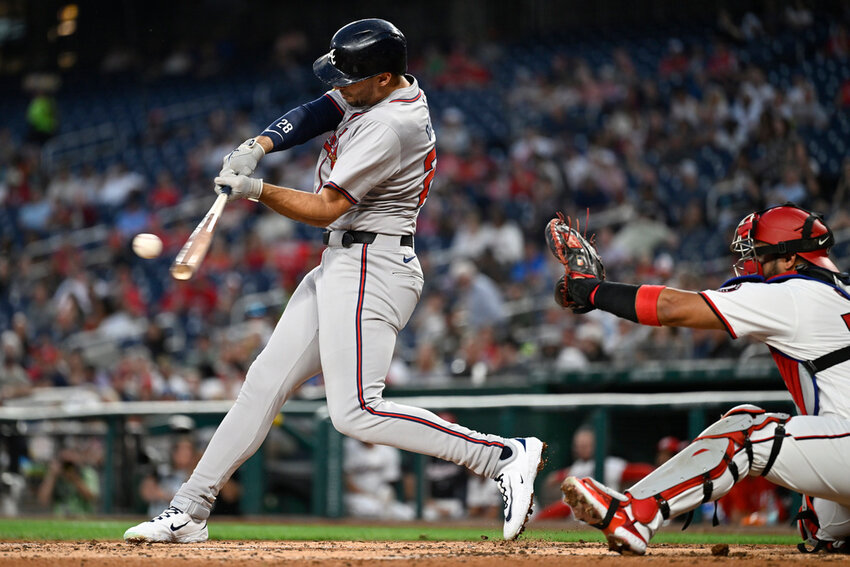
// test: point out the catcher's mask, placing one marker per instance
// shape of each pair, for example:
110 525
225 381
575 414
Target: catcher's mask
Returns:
778 231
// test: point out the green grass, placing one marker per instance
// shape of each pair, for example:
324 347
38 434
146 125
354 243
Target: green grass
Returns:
83 530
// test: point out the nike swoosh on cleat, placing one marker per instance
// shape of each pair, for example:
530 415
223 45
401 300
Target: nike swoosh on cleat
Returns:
174 529
406 260
821 242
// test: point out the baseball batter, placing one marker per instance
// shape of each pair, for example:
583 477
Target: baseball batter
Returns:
372 177
794 299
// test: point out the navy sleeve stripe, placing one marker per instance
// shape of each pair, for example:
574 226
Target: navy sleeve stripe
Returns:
304 123
345 193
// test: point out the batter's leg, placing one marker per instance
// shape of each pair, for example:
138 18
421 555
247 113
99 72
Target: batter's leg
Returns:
362 305
290 357
364 300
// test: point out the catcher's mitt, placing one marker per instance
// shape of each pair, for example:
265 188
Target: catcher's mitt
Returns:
579 257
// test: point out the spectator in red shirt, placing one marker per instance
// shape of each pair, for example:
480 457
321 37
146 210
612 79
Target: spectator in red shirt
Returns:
675 62
722 63
165 193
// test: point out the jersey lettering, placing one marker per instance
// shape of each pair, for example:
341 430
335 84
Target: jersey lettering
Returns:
846 318
429 176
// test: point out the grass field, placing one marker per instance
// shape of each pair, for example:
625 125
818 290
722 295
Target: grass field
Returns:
109 529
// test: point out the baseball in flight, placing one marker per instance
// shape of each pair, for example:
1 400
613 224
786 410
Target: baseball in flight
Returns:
147 245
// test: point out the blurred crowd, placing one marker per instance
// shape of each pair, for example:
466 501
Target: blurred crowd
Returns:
660 164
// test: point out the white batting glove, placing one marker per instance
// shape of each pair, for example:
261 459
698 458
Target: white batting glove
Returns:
243 159
241 186
218 188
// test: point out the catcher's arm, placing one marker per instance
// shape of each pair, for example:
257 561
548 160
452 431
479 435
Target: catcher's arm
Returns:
678 308
583 287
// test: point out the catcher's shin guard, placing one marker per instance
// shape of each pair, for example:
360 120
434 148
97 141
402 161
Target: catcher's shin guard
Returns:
709 467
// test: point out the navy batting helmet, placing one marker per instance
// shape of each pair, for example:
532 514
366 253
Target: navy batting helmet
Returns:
360 50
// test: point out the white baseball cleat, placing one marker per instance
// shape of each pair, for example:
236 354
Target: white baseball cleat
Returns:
516 483
172 526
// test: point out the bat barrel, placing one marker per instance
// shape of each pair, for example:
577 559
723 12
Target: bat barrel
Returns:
192 254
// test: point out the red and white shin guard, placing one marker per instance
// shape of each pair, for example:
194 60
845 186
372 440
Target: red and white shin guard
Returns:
703 472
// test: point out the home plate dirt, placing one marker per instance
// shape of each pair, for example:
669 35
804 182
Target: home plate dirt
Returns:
357 553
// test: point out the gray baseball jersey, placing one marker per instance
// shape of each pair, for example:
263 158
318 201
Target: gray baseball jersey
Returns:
345 315
383 160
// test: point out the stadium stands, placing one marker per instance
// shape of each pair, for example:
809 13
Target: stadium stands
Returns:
676 132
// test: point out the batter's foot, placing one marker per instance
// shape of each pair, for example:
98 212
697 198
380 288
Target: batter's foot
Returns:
516 482
172 526
605 509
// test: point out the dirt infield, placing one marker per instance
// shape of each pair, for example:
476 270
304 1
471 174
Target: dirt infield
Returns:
353 554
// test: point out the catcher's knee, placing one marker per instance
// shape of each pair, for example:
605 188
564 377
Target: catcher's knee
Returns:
747 423
744 409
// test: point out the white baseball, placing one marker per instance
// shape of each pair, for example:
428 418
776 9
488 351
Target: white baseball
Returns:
147 245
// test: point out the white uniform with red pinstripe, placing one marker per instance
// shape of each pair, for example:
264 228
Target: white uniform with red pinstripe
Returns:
800 319
344 316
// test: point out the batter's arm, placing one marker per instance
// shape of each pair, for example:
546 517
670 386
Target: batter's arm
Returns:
301 124
317 209
266 143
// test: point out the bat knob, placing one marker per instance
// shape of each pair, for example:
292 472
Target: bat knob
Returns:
226 189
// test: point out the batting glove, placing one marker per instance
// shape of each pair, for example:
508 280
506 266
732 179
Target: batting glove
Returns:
243 159
241 186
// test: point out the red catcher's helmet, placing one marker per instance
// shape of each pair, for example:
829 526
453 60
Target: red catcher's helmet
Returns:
786 229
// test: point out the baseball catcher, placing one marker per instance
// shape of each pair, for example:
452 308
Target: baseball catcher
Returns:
788 294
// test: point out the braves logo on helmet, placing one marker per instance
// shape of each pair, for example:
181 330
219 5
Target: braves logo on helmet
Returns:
360 50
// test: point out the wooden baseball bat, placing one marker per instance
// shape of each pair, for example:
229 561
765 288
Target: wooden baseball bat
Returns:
192 254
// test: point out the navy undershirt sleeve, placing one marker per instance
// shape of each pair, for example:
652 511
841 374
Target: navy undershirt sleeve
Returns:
304 123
